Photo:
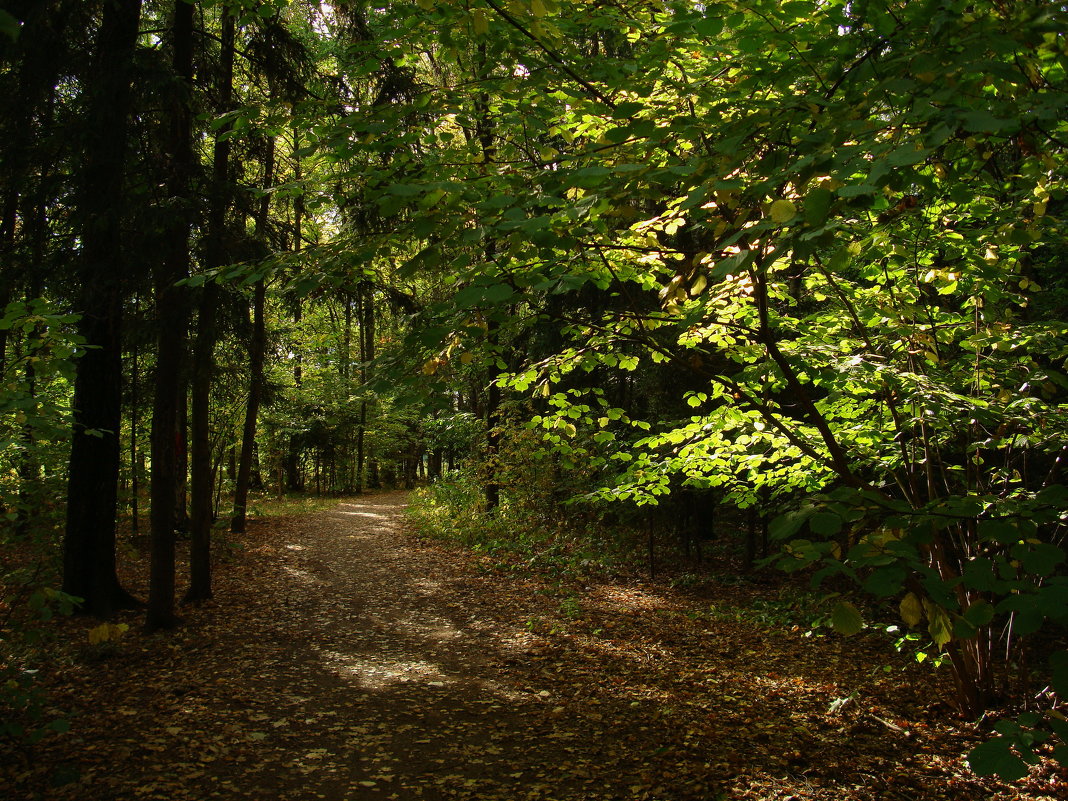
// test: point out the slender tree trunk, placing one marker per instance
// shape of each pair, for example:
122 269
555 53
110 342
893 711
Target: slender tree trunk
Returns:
135 422
484 135
493 421
484 130
8 225
361 302
181 444
294 479
255 392
257 347
172 321
201 481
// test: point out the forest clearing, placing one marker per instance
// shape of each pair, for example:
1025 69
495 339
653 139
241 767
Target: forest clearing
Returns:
348 659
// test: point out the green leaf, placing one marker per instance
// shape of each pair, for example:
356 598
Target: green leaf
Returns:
846 619
885 581
709 27
9 26
940 625
788 524
979 575
826 524
1040 558
979 613
406 190
627 109
817 205
782 211
857 190
985 122
996 758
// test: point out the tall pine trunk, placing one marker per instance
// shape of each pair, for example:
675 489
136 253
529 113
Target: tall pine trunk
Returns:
365 314
294 477
216 251
172 319
257 346
89 537
484 131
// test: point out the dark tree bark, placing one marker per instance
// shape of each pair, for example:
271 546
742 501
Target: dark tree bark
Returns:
89 538
172 319
484 132
294 478
202 475
365 316
135 422
256 348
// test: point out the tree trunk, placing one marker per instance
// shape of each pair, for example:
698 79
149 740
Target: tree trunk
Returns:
201 475
172 321
294 479
135 422
89 537
484 131
366 318
256 349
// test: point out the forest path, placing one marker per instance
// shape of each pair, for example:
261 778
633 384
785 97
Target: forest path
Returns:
347 659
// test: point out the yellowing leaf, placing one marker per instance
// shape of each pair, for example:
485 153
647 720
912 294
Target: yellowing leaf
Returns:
426 5
940 626
911 609
107 631
846 619
782 211
480 22
537 8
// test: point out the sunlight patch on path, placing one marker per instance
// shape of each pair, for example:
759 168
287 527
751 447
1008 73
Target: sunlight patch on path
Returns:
375 515
377 673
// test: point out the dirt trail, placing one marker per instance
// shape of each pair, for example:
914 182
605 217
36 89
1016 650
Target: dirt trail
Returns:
345 659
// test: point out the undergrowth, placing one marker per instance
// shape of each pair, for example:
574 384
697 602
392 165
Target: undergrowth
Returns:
568 545
513 536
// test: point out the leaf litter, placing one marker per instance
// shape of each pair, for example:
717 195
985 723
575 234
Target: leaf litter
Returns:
345 658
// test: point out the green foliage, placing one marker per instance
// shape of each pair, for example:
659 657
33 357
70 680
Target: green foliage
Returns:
34 404
26 715
34 433
9 26
822 232
962 567
1010 753
518 536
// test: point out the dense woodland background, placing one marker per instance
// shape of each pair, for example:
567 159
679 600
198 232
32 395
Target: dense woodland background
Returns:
609 270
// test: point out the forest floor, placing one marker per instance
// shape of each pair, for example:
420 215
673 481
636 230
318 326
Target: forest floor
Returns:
344 658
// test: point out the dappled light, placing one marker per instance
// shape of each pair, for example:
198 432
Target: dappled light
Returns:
367 662
537 400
